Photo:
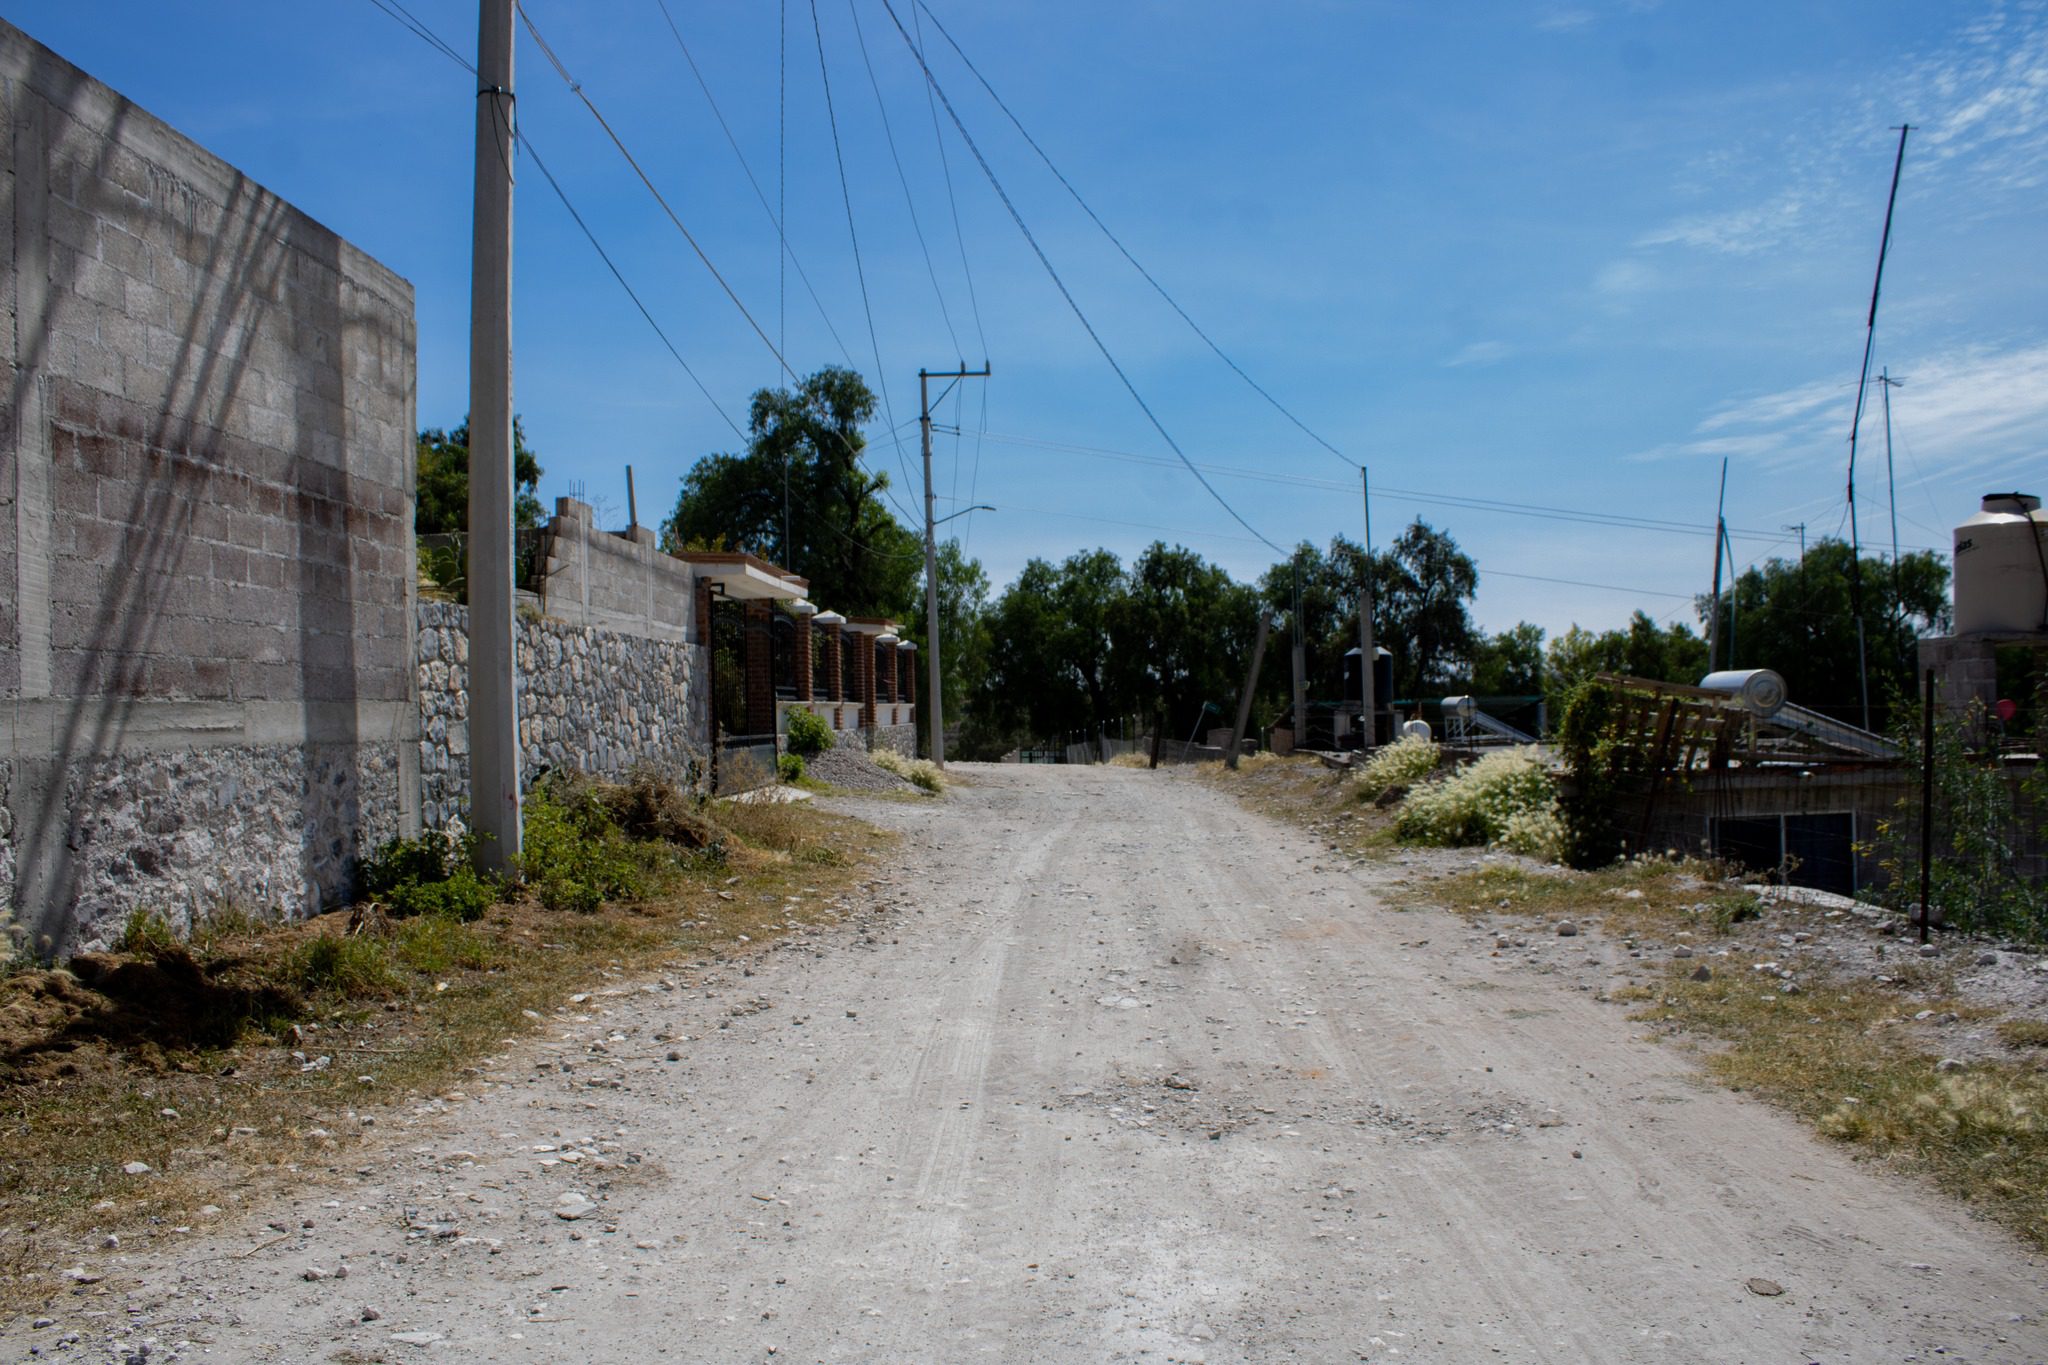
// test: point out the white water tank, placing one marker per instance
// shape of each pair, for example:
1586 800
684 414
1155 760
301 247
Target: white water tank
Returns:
2001 568
1460 708
1762 690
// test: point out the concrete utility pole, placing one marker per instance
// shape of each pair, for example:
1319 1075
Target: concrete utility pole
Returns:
1244 702
934 704
493 689
1714 621
1368 648
1299 651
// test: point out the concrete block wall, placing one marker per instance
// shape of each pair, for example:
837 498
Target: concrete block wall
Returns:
600 701
206 556
614 581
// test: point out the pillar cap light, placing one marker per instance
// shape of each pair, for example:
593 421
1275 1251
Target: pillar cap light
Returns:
803 606
887 637
828 618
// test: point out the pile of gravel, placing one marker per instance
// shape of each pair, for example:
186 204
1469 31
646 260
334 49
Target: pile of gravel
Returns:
849 767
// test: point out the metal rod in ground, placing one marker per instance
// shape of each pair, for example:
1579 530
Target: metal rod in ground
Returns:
1926 802
1244 703
493 686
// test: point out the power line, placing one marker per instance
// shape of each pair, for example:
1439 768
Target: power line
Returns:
775 218
576 89
611 265
1159 288
946 167
1060 284
889 135
426 35
853 234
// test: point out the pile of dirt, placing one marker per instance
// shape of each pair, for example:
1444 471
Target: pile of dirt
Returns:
168 999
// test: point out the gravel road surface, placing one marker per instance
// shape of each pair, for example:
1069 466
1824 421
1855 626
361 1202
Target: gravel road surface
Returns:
1120 1073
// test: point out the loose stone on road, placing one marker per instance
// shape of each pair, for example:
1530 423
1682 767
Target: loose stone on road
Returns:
1124 1074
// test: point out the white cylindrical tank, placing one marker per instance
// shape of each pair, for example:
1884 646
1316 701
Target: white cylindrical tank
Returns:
1762 690
1460 708
2001 568
1415 729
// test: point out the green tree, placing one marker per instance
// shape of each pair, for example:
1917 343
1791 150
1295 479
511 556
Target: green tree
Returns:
1329 588
802 466
1184 637
441 481
1509 664
1422 590
1643 650
1795 616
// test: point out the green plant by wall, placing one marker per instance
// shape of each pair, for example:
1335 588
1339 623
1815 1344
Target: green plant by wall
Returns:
1980 807
790 767
430 875
576 857
808 733
1601 772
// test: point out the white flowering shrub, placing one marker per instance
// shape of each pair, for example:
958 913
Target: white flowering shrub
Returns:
1506 795
1400 764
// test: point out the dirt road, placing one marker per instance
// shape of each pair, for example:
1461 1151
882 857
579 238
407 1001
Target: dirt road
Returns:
1124 1074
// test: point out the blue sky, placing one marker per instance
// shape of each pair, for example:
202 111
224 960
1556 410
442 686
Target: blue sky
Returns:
1563 256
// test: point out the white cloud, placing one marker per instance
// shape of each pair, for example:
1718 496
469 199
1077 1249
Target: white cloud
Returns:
1564 20
1969 411
1736 232
1479 353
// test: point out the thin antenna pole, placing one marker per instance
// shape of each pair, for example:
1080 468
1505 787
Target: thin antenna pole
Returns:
1720 532
1885 385
1862 387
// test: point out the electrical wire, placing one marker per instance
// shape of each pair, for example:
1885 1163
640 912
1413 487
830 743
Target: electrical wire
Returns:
889 135
576 89
959 237
1061 285
612 266
426 35
775 218
1115 241
853 234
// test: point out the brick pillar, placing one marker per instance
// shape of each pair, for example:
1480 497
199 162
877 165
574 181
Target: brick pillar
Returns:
834 657
703 611
906 666
760 671
885 679
867 679
803 658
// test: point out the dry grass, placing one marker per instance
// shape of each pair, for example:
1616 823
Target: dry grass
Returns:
401 1009
1841 1056
1845 1054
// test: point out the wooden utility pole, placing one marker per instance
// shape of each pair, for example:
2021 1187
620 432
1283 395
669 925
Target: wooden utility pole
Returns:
935 708
493 683
1244 702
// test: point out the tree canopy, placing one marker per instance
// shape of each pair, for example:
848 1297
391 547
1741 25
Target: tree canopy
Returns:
441 487
1795 616
802 469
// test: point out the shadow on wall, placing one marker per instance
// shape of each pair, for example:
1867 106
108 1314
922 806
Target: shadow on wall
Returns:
203 543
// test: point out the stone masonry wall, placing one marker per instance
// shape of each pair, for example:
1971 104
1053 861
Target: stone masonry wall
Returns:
596 700
206 552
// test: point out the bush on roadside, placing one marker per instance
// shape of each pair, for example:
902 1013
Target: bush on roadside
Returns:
433 874
920 771
344 965
1403 763
808 733
576 857
790 767
1482 803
